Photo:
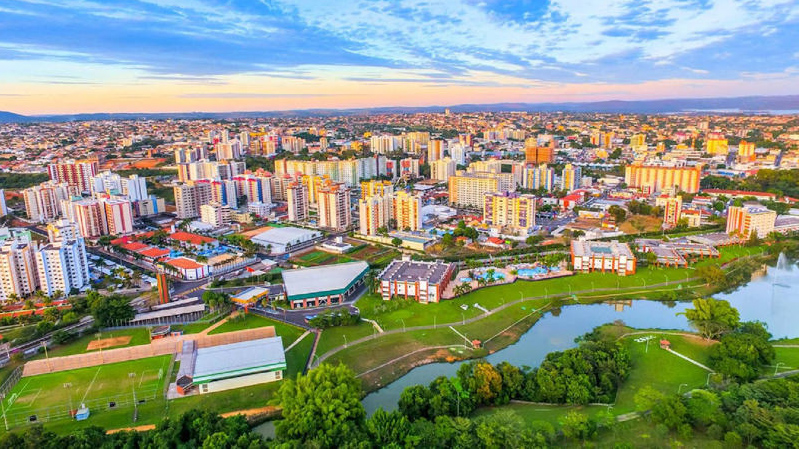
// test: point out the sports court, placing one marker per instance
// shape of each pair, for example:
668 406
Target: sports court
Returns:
52 396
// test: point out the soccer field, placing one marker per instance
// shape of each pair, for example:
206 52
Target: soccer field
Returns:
102 388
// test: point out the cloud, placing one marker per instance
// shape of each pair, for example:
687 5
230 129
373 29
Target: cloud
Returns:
256 95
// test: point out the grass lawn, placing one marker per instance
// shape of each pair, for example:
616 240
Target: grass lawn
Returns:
318 257
337 336
297 357
536 412
50 396
660 369
789 357
252 321
139 336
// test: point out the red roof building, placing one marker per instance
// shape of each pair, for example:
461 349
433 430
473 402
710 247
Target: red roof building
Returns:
193 239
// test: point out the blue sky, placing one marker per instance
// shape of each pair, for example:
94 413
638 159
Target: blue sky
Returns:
273 54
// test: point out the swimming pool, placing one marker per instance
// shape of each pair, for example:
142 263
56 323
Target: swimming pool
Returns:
530 272
466 279
498 275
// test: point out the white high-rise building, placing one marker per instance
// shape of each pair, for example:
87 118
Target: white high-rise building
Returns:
63 266
334 207
118 216
442 169
458 153
43 202
90 217
215 214
17 269
135 188
297 198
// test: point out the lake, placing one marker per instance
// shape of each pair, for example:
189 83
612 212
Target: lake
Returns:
767 298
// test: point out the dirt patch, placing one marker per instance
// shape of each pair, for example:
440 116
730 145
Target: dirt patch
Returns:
108 343
143 428
252 412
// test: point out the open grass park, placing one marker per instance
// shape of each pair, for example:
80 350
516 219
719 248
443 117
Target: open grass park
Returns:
495 315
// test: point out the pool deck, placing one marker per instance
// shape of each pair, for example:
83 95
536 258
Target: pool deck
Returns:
449 293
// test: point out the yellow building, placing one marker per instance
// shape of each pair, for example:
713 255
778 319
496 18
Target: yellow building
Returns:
717 144
376 188
655 178
745 220
374 213
509 210
407 211
672 207
469 189
313 183
746 151
638 140
570 178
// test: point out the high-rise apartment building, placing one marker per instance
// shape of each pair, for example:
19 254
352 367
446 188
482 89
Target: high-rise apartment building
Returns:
297 198
189 197
334 207
442 169
376 188
539 155
62 266
748 219
407 211
43 202
468 189
75 173
18 276
746 151
118 216
435 150
539 177
717 144
90 217
672 211
570 178
374 213
215 214
656 178
509 210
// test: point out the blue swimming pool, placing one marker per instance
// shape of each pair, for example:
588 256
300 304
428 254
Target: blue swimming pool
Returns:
498 275
466 279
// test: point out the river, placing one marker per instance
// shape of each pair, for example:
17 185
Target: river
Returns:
767 298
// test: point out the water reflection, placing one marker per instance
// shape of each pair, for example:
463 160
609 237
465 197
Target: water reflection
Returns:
767 298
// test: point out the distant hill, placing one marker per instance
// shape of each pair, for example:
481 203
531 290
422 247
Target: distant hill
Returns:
698 105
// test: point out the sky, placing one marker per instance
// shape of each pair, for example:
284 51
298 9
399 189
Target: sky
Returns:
69 56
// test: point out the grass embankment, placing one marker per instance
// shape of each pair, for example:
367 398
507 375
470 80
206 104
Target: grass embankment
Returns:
651 366
396 315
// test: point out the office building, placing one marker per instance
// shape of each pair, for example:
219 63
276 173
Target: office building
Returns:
509 210
334 207
750 219
656 178
407 211
297 198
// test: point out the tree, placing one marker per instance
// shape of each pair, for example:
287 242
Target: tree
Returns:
390 429
396 241
577 426
740 355
711 274
414 402
618 213
111 309
323 407
712 317
506 430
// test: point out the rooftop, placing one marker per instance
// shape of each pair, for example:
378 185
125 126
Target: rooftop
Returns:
414 271
285 235
238 359
587 248
185 263
194 239
336 278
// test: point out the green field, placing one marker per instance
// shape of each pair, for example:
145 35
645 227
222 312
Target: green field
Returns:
252 321
51 396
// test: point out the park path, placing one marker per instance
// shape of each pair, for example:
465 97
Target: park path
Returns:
785 346
299 339
689 360
217 324
336 349
309 364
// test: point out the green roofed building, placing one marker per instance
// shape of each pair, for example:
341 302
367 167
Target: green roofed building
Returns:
238 365
323 285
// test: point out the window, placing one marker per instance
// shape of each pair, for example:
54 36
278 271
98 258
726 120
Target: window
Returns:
278 375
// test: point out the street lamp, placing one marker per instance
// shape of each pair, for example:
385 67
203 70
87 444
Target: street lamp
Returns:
680 387
777 367
403 324
592 286
707 382
463 317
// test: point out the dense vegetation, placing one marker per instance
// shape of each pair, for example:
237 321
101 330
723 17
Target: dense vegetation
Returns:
781 182
21 180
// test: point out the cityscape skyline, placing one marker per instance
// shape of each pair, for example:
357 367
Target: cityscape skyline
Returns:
178 56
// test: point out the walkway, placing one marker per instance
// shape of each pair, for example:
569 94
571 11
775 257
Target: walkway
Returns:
218 323
690 360
299 339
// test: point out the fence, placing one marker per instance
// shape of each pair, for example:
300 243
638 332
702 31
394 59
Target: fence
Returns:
10 382
171 345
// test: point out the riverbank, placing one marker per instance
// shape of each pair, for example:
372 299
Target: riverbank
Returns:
416 335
